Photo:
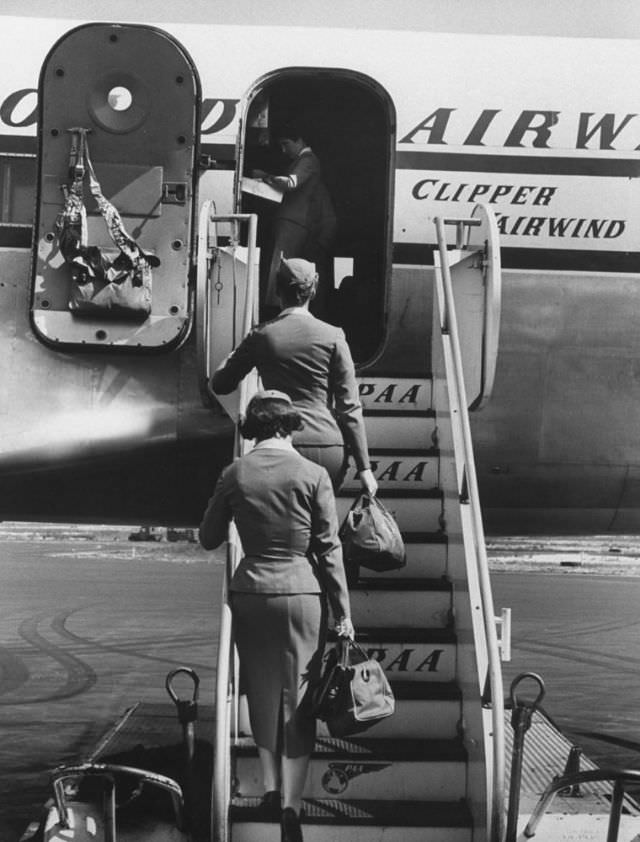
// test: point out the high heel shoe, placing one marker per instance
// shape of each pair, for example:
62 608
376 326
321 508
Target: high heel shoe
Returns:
291 831
271 804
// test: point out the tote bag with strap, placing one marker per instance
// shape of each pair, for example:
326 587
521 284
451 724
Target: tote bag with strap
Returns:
370 536
354 692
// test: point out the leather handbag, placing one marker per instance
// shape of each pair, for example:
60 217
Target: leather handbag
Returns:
370 536
353 693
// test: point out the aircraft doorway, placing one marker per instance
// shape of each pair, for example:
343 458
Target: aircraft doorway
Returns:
348 121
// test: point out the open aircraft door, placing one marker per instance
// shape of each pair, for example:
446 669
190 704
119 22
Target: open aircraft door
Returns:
119 113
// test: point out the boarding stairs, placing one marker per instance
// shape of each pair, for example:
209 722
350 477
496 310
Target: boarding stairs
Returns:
434 771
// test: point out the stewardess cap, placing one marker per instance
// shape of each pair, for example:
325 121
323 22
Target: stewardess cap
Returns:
275 394
298 272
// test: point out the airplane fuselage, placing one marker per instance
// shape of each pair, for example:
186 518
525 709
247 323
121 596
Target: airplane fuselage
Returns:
409 126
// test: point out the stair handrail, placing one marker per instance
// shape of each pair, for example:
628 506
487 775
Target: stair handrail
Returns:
492 306
224 696
207 217
483 216
618 776
468 481
226 663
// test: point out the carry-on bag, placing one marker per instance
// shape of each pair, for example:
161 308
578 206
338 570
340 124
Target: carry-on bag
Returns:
370 536
353 693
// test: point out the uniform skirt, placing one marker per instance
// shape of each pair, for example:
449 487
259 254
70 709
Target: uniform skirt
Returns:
333 457
280 640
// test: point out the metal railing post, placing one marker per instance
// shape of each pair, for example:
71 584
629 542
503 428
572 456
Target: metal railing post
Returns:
203 286
521 715
226 677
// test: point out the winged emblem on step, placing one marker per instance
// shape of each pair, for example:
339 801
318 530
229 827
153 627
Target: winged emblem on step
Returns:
336 779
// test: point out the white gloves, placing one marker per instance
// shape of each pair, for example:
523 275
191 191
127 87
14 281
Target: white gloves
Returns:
344 628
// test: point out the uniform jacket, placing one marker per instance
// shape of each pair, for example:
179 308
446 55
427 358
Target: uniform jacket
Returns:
285 513
309 360
306 201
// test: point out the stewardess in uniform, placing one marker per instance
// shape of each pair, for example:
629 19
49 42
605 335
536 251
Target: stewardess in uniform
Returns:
310 361
284 509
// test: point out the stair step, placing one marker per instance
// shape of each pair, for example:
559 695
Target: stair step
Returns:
359 821
424 538
395 393
412 513
427 712
424 711
398 469
413 655
392 495
400 430
417 603
372 635
389 769
390 584
424 560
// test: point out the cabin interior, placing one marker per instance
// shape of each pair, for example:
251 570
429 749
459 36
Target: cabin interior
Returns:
349 123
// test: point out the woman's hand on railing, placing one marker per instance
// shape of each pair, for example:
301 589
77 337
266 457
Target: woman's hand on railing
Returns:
368 482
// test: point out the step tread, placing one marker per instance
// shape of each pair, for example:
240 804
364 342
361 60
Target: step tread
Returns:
384 748
332 811
434 493
378 583
425 537
425 691
398 413
392 374
382 634
404 451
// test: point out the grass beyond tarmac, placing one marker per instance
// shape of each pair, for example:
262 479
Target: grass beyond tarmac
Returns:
613 555
617 555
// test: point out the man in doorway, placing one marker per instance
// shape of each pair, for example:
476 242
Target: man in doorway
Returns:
305 221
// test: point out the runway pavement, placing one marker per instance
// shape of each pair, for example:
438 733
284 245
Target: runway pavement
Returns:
91 622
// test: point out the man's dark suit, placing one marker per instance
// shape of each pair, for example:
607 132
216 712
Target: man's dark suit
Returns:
304 226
